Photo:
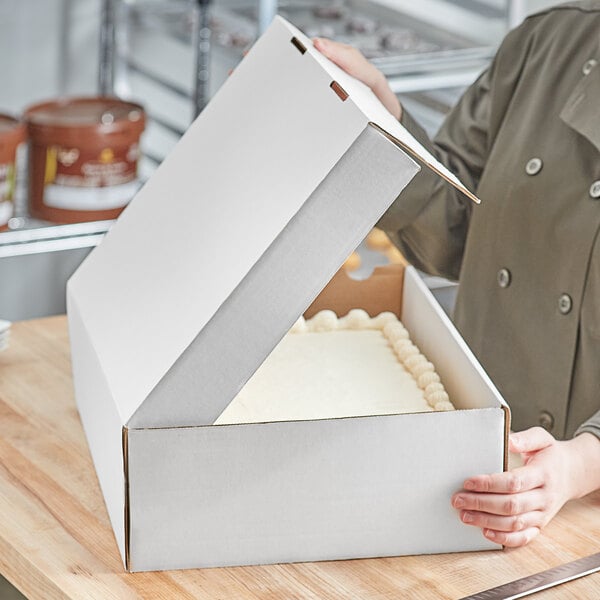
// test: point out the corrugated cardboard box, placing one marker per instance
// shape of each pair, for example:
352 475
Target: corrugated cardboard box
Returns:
229 242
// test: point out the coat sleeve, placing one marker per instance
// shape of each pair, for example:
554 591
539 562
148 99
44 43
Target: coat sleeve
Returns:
592 425
429 221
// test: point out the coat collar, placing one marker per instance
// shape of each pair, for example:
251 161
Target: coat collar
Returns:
581 112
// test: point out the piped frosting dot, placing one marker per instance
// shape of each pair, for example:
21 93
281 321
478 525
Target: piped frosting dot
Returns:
436 397
414 361
433 387
324 320
357 319
395 331
423 368
299 326
382 319
406 350
426 378
398 345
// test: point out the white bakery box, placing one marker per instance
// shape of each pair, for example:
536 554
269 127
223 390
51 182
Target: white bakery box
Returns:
233 238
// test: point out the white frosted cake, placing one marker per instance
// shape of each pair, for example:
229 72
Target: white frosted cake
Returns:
329 367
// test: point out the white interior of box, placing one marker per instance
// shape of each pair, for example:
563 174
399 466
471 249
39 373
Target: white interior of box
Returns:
465 380
349 373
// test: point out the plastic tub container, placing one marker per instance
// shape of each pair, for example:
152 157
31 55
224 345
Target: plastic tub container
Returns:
12 133
83 157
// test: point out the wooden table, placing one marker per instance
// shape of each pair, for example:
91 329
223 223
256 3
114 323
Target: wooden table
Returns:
56 541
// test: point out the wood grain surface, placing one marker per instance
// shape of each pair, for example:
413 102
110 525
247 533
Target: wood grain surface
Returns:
56 541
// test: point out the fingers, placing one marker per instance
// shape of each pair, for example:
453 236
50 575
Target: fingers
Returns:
349 59
353 62
336 51
509 482
530 440
511 508
511 531
503 523
514 539
501 504
511 520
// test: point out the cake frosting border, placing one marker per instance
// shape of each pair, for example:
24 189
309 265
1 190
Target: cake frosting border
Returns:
407 353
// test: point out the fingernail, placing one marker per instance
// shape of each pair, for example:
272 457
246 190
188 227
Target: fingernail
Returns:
467 517
490 534
459 502
469 485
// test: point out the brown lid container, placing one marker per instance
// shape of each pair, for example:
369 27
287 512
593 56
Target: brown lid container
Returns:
85 120
88 128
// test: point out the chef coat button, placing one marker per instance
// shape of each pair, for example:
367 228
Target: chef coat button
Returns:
589 65
565 304
534 166
595 190
504 278
546 420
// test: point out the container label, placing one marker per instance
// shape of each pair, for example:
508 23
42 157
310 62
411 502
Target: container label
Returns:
79 180
6 212
81 198
7 188
7 181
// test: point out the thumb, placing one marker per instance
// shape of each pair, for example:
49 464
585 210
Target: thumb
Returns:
346 57
323 45
530 440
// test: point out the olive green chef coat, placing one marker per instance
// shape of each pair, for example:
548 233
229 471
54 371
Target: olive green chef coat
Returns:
526 137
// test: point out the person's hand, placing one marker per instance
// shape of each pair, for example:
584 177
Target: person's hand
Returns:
353 62
512 507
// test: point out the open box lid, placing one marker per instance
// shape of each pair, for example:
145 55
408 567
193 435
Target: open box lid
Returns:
258 205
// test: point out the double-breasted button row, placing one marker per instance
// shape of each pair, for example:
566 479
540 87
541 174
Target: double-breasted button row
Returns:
546 420
565 302
534 166
588 66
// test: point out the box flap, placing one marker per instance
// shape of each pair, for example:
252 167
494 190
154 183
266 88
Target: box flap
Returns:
280 286
362 96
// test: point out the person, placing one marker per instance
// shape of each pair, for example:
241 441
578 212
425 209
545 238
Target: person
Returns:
526 138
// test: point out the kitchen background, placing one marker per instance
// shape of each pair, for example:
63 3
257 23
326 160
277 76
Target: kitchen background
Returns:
172 55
